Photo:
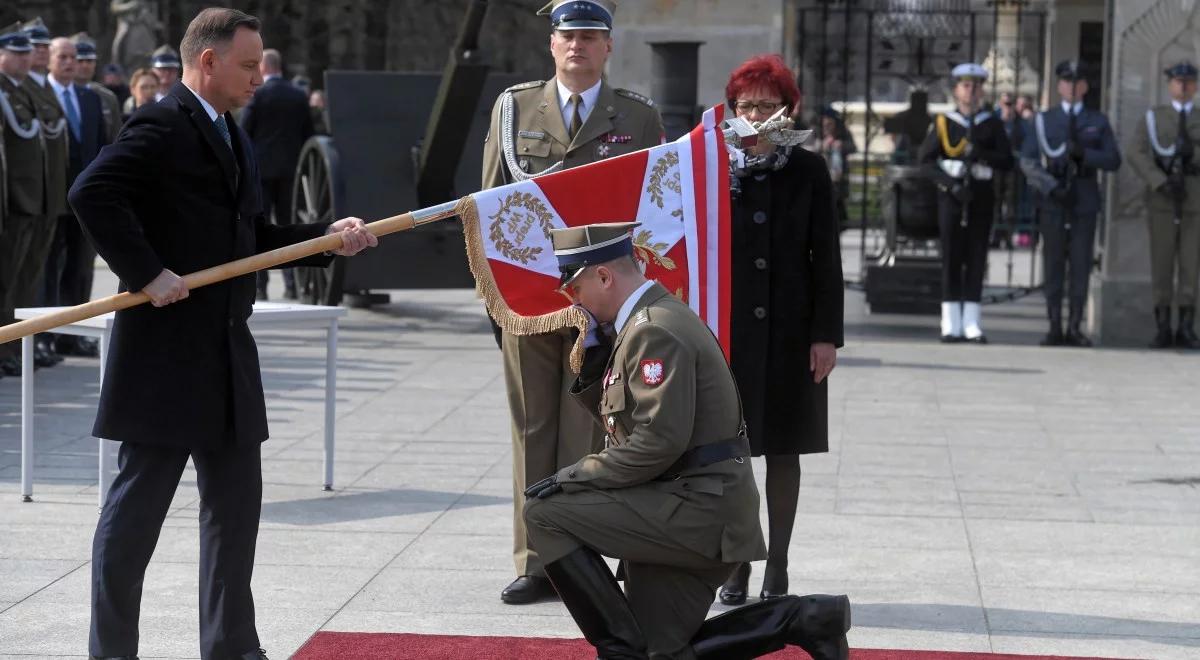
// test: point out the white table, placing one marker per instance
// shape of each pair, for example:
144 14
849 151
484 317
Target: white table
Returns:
266 314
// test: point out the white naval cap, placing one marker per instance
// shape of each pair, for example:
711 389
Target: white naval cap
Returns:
969 70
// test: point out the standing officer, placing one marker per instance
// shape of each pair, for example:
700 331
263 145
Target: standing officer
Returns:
1163 155
672 494
573 119
278 123
85 72
1061 156
25 176
67 277
178 192
962 152
53 120
166 64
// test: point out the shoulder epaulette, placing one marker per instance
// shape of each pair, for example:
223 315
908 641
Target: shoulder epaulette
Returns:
645 100
642 317
526 85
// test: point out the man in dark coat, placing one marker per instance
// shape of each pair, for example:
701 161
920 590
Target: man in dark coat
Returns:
177 192
278 122
67 279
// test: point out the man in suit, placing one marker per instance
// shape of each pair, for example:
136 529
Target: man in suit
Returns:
574 119
53 121
178 192
1163 155
25 177
1061 158
672 494
278 123
85 73
67 278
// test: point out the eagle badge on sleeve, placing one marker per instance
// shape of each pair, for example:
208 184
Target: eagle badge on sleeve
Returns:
652 372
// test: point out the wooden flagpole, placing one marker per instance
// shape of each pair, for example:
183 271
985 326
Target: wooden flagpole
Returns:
223 272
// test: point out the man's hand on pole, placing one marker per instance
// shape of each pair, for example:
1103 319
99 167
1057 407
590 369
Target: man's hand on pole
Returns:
165 289
355 237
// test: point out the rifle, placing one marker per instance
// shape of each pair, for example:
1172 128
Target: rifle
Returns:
1071 173
968 162
1176 169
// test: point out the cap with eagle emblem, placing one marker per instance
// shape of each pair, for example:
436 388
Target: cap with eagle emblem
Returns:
580 14
579 247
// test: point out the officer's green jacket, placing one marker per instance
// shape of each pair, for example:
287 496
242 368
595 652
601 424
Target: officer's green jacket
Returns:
26 176
1143 159
621 122
666 388
110 107
53 118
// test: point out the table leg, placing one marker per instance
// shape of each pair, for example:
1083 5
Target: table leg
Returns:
27 419
330 398
104 479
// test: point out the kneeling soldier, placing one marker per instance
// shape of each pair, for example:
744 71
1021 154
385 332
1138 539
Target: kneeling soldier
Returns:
672 494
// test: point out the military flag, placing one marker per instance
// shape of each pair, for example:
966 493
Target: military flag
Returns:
679 191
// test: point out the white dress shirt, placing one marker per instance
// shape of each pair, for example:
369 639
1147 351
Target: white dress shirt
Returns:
39 78
588 102
1182 107
627 307
1072 109
71 98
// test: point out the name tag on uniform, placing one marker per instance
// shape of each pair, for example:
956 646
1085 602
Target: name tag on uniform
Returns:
617 139
533 135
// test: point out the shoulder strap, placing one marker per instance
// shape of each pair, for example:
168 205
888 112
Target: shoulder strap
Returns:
633 95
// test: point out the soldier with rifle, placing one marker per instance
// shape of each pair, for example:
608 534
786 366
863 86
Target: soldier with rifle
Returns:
1060 158
962 152
1163 156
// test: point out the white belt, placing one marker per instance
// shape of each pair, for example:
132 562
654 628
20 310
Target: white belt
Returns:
957 168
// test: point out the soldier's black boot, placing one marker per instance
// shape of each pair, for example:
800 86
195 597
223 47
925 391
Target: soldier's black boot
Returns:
598 605
1185 336
816 623
1075 336
1163 337
1055 336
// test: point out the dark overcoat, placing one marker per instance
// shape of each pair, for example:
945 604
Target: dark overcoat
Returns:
787 295
169 193
278 122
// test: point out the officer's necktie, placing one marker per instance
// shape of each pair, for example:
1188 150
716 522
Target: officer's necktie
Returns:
223 129
72 113
576 118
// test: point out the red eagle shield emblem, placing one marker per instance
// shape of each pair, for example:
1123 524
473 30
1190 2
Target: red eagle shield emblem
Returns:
652 372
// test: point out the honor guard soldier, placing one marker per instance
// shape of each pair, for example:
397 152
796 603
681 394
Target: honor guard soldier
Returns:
1163 155
538 127
167 65
85 72
25 182
672 494
1061 156
53 121
962 153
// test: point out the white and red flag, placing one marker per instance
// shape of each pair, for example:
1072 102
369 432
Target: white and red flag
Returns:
679 191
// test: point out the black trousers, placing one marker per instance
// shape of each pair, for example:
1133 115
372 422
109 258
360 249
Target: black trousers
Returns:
277 197
230 485
1067 246
67 279
965 249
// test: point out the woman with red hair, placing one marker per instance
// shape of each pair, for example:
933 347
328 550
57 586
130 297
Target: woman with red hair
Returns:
786 305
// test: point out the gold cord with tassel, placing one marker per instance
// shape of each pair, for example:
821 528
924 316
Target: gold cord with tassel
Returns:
943 130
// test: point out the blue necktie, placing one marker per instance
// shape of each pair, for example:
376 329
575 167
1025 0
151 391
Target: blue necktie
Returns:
72 113
223 129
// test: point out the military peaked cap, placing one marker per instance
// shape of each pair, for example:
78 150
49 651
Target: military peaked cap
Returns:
579 247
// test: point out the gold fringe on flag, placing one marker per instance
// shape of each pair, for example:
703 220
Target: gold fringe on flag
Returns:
507 319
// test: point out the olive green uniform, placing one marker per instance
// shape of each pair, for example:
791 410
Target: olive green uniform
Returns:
1171 244
110 107
665 389
548 431
25 195
55 140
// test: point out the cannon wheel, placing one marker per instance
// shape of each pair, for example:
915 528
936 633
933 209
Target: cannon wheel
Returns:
314 198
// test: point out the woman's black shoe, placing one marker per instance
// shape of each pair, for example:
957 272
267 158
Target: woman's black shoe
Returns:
735 589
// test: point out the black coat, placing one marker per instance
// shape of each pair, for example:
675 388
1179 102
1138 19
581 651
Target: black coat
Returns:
278 121
787 295
168 194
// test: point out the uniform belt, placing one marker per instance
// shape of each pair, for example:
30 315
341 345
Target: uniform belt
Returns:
706 455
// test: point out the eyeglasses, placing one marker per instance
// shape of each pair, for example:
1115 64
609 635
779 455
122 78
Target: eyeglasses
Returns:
764 107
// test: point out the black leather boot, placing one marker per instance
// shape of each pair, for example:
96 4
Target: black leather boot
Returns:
1185 336
1055 335
1075 336
598 605
817 624
1163 338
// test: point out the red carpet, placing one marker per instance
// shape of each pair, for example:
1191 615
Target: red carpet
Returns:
402 646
